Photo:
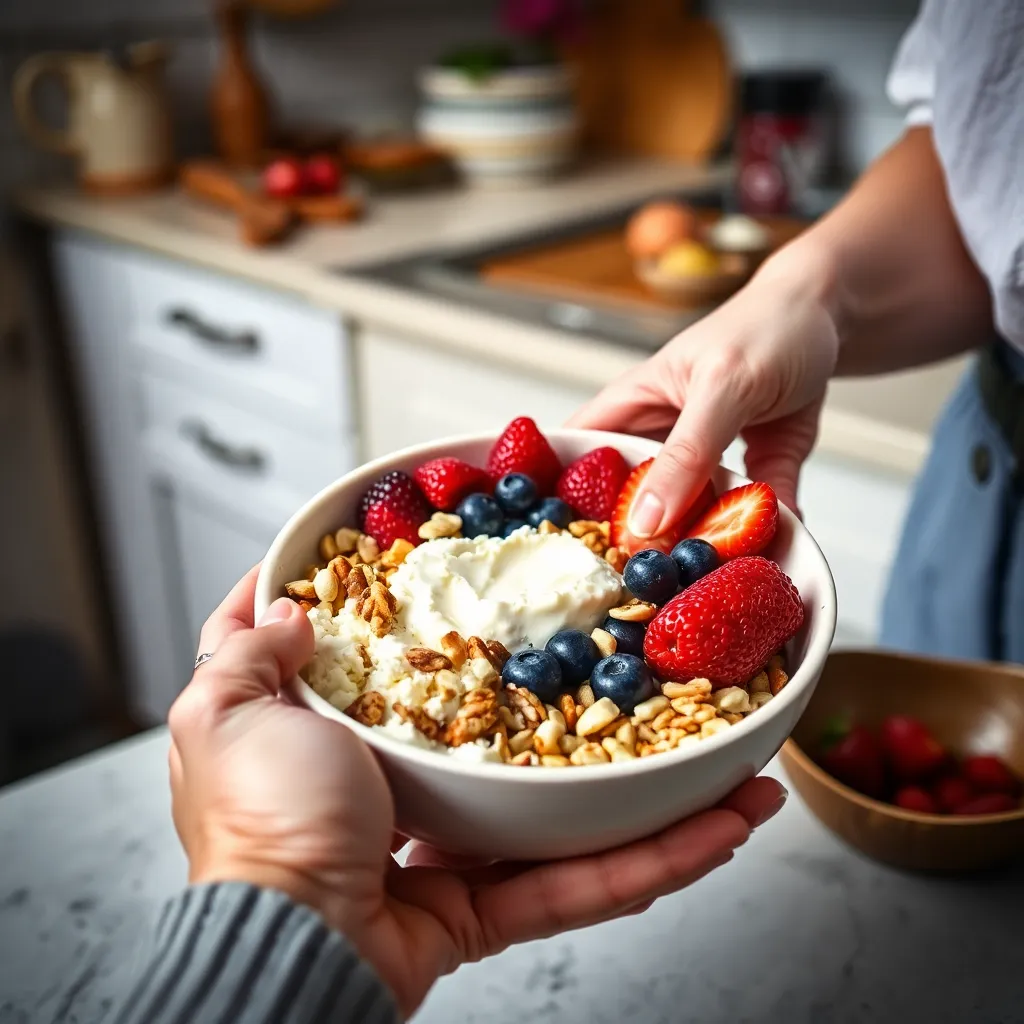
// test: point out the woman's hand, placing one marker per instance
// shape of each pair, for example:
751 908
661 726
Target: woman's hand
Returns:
757 366
273 794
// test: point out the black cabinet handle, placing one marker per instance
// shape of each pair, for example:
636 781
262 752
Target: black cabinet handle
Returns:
242 342
245 459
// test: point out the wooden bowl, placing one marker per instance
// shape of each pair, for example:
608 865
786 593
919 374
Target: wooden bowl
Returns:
695 289
971 707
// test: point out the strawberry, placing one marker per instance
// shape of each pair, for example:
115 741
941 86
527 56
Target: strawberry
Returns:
522 448
913 753
620 535
399 490
741 522
989 774
447 481
853 756
914 798
951 792
592 483
988 803
727 625
386 522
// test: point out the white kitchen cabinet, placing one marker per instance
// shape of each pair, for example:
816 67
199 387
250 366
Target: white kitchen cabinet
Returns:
212 410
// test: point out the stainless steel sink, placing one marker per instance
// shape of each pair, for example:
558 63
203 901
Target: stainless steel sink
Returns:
454 277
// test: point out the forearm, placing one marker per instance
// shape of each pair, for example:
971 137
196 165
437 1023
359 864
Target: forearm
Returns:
890 265
231 951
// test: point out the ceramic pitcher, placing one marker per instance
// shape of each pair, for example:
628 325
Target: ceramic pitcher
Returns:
118 117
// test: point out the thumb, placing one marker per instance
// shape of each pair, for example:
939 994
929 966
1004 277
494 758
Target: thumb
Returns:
710 420
255 663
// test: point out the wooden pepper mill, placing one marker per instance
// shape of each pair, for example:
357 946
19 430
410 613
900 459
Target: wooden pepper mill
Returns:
238 102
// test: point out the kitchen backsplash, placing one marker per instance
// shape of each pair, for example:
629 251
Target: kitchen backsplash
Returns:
355 65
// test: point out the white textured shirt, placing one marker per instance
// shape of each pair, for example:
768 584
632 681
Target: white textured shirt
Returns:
960 68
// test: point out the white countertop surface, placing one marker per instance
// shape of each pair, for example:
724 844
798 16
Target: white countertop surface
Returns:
796 930
885 422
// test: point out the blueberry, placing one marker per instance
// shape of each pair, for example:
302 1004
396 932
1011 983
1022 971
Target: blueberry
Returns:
480 514
624 678
629 636
576 653
511 525
553 509
651 576
695 559
515 493
537 670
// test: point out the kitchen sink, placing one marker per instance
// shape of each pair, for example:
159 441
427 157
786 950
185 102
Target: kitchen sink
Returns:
459 276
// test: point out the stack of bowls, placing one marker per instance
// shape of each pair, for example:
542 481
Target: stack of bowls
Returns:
514 127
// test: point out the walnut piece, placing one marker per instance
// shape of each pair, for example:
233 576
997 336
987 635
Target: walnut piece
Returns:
420 719
423 659
477 717
367 708
377 606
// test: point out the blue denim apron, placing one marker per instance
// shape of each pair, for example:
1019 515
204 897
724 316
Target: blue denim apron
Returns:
957 585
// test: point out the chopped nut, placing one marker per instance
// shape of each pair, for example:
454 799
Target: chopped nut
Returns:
626 735
731 698
634 611
312 570
423 659
616 558
520 741
325 584
616 750
579 527
376 605
546 737
440 524
568 743
606 643
554 761
759 699
328 548
777 677
479 648
514 722
568 709
306 606
346 539
760 684
367 548
483 672
648 709
695 690
589 753
526 758
713 726
597 716
585 695
661 720
430 727
547 526
685 706
367 708
477 717
612 727
359 578
704 714
397 553
498 653
646 734
301 590
446 684
525 703
554 715
732 717
455 647
500 745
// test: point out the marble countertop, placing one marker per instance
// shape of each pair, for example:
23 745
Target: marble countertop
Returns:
797 929
884 422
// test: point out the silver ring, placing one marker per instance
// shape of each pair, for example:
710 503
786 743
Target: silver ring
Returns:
202 660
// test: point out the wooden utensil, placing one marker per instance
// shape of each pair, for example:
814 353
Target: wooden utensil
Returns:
653 81
970 707
262 220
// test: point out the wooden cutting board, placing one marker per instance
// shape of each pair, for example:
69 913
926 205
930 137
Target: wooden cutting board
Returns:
596 267
653 81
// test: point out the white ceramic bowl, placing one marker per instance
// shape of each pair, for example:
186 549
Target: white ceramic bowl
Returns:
499 811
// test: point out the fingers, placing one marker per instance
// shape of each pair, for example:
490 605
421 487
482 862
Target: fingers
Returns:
711 418
571 894
776 451
233 614
757 800
249 665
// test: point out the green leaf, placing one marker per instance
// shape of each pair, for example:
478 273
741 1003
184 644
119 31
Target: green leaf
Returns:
837 728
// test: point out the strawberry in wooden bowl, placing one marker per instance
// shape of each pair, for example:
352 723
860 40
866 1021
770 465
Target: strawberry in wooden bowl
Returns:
535 682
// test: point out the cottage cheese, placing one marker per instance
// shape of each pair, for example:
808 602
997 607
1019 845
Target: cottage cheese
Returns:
520 591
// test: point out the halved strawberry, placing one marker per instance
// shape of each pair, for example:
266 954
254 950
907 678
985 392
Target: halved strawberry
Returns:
591 484
446 481
620 535
741 522
522 448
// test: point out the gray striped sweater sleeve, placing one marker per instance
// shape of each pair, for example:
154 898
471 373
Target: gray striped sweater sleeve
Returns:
231 952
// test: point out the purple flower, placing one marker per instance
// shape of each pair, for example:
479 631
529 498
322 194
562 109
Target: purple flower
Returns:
542 19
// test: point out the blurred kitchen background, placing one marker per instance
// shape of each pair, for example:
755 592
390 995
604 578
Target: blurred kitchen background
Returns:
181 365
